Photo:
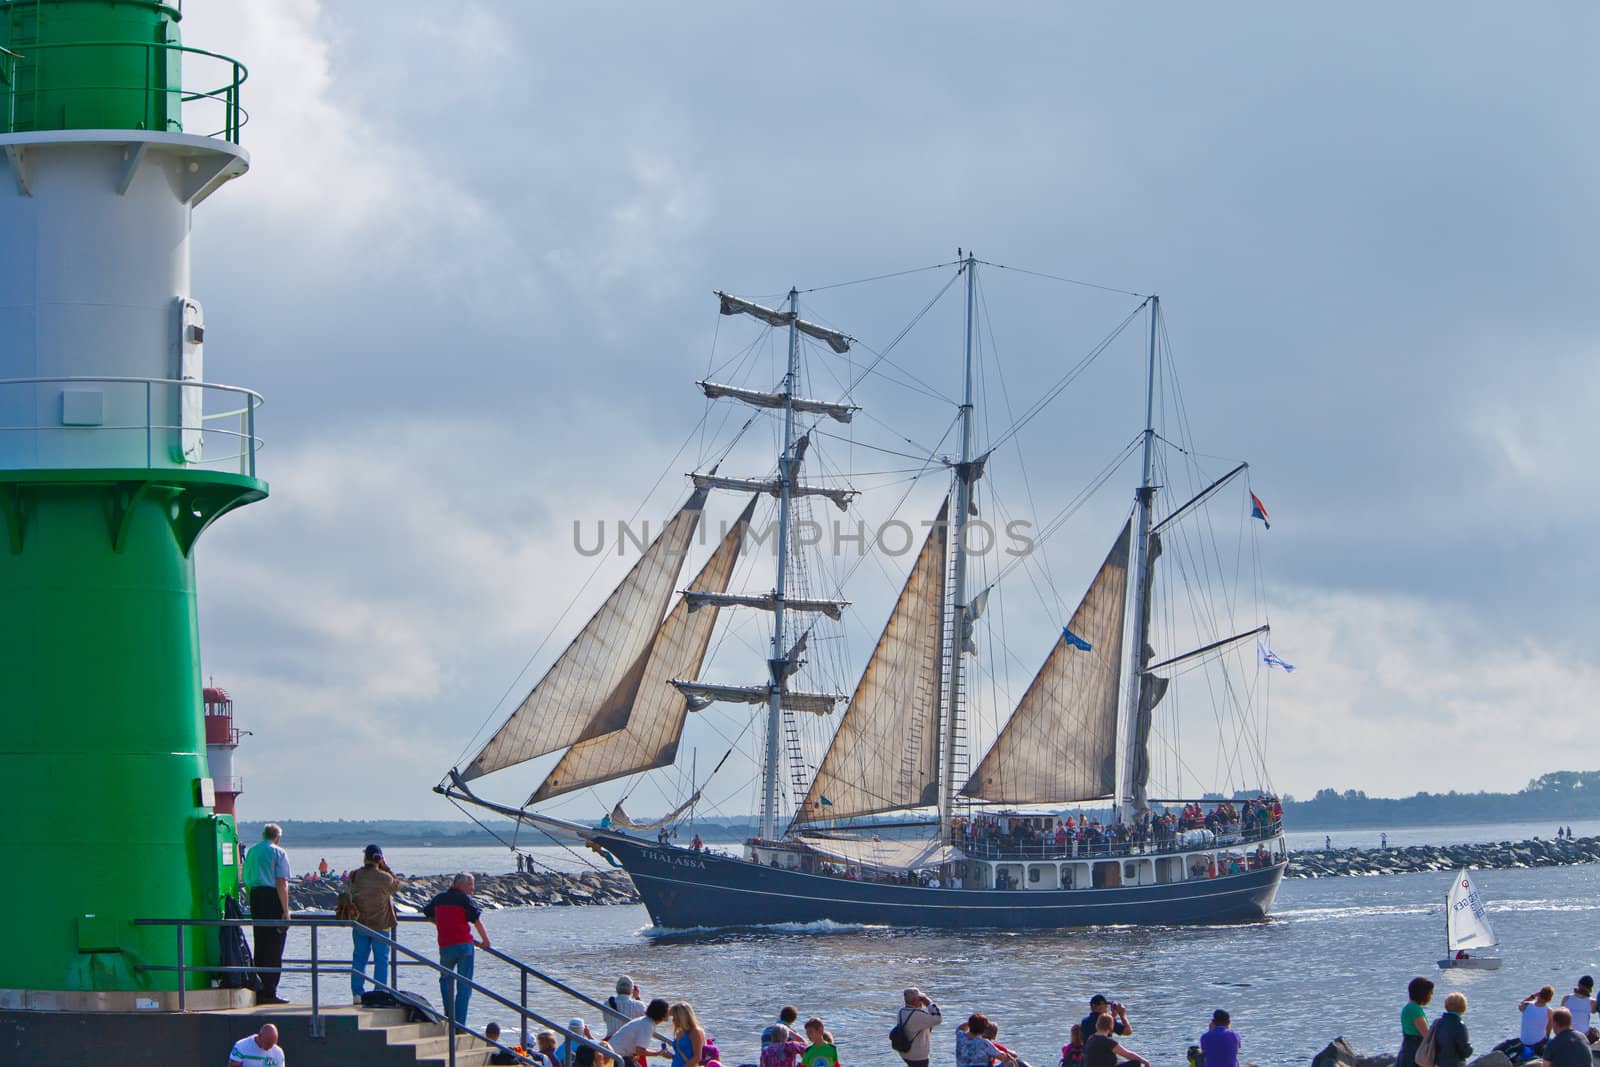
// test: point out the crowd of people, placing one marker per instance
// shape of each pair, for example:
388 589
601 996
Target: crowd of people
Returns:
1549 1034
1069 834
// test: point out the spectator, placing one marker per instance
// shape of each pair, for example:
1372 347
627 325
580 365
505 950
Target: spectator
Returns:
688 1036
1451 1047
917 1017
568 1050
498 1057
624 1005
1580 1002
1220 1045
372 889
780 1045
1072 1051
455 914
1536 1021
1413 1021
788 1015
1104 1050
821 1051
992 1032
260 1049
547 1041
975 1050
266 877
1566 1047
1098 1006
632 1040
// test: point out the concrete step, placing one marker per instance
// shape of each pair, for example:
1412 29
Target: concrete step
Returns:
438 1047
404 1033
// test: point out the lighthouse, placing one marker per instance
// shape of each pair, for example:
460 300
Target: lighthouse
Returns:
116 454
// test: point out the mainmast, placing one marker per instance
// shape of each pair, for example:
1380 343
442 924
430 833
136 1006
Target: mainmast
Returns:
965 476
778 662
1132 799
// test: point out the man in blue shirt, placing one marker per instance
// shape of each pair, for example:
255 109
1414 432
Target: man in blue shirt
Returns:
1220 1045
266 876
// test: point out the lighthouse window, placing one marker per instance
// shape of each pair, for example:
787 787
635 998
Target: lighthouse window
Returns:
1033 874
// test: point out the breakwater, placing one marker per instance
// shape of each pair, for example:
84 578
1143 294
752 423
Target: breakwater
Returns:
493 891
1503 855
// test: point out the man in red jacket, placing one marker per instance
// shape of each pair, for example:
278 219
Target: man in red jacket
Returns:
455 914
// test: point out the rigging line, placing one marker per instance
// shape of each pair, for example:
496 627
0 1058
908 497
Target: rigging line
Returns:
555 626
1022 466
1070 281
1067 379
716 332
881 277
491 832
906 329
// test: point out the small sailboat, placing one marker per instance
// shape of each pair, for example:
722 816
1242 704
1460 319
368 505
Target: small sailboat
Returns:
1466 925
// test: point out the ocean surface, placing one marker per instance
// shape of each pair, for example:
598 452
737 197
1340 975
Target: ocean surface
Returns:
1333 960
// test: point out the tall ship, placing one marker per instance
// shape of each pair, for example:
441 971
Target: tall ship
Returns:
1085 806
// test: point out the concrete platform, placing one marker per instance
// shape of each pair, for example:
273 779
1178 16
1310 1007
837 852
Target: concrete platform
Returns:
373 1037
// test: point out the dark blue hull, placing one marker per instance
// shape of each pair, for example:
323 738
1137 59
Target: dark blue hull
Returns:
684 889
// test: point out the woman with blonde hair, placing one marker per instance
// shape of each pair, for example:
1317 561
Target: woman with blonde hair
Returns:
688 1036
1451 1047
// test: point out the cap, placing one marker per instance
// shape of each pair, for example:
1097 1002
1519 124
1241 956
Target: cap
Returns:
1098 998
373 852
624 984
576 1026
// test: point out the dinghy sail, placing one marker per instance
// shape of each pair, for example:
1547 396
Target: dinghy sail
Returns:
1466 926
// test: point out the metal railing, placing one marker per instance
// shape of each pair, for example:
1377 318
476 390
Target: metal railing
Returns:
235 426
1164 845
317 967
153 86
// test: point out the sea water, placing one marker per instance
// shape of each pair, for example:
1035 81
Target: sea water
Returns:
1333 960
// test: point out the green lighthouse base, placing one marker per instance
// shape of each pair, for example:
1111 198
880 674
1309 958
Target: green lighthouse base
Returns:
104 745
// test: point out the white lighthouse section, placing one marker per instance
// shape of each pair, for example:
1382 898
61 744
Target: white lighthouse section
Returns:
102 366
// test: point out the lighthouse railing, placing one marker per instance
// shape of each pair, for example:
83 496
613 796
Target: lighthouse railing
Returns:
127 422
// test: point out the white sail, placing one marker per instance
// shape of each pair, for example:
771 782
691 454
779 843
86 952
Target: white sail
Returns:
589 689
655 725
885 756
1061 743
1466 920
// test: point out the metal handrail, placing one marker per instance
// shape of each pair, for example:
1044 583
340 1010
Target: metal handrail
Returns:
316 970
227 94
1080 849
250 444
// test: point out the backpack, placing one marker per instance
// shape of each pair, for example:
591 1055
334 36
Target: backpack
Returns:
344 908
899 1040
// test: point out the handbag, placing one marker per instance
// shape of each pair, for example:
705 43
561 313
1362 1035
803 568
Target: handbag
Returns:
344 908
1428 1052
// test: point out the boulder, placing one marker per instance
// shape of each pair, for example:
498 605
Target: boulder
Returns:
1337 1054
1492 1059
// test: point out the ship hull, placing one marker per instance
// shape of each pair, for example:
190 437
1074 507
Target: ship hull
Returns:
685 889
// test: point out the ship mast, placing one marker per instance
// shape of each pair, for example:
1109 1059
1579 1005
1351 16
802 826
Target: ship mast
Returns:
965 476
1133 799
778 662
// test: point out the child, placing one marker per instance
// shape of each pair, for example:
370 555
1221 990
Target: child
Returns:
820 1053
1072 1051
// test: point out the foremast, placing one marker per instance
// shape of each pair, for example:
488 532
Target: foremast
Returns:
778 663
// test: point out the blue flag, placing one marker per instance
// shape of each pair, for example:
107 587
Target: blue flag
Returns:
1075 641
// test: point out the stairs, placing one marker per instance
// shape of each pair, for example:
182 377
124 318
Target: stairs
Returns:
380 1037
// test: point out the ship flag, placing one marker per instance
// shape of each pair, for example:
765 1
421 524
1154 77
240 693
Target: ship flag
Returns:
1258 510
1075 641
1272 659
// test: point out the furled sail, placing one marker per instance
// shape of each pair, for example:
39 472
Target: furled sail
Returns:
589 689
650 738
1061 742
707 693
732 305
1151 689
833 609
840 497
761 399
620 820
885 756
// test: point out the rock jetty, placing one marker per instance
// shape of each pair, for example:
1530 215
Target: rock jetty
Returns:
1338 862
1340 1054
493 891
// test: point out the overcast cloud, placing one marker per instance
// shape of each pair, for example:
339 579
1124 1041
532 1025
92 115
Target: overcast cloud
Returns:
470 269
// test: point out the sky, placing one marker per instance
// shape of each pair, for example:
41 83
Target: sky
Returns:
471 266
